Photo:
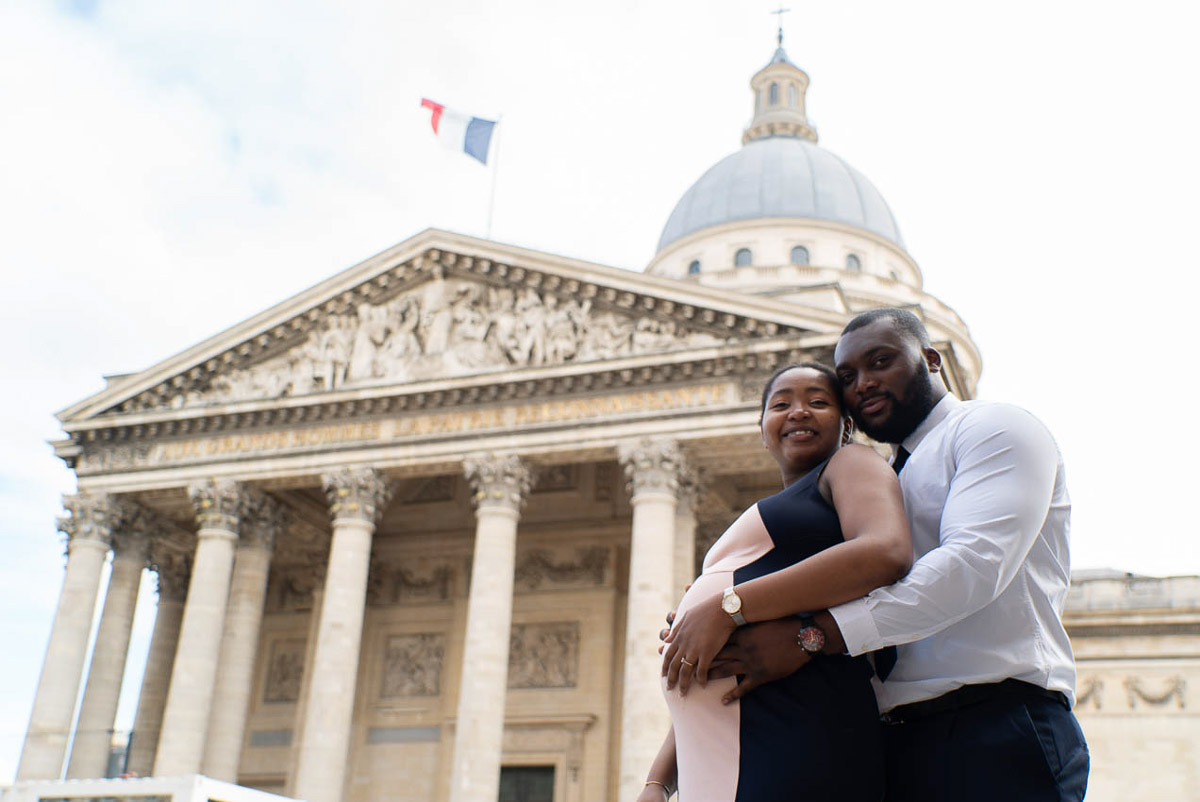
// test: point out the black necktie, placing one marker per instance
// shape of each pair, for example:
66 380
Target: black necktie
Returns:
885 658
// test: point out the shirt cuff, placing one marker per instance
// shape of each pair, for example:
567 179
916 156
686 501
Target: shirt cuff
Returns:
857 626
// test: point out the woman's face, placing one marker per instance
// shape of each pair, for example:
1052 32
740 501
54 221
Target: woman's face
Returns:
802 422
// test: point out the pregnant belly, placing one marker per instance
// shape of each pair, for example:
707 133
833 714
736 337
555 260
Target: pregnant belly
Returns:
706 731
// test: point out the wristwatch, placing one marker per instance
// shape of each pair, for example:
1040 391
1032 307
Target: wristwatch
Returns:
812 638
732 604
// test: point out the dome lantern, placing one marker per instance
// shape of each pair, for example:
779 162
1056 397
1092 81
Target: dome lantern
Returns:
779 90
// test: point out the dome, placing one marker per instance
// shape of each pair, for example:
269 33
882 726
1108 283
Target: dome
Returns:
781 176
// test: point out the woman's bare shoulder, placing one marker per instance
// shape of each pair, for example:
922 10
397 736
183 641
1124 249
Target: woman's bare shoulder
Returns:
859 460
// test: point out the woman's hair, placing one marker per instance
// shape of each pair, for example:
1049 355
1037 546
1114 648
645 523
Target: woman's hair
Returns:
835 386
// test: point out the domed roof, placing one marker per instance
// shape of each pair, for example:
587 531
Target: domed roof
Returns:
781 176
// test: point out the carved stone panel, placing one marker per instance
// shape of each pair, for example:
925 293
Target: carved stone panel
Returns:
414 583
428 490
447 327
544 655
606 480
285 667
412 665
561 568
555 478
292 587
1160 693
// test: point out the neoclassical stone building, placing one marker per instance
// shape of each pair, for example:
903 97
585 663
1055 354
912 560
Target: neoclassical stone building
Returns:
414 529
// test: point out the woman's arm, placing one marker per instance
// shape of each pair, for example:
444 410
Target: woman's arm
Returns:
660 781
877 551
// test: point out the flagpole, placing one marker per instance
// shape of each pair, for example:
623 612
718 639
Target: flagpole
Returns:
495 172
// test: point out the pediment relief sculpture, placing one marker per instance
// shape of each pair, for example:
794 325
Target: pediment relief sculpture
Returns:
448 327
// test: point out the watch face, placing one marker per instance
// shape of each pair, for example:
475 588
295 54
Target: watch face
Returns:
731 603
812 639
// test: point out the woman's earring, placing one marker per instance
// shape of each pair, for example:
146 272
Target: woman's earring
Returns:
847 433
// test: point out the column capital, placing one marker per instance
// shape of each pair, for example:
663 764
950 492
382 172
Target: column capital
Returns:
356 493
174 571
653 465
218 503
498 481
263 517
89 518
691 485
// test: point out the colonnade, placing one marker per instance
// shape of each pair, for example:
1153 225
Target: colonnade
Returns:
195 696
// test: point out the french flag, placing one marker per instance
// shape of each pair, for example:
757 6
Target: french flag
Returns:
471 135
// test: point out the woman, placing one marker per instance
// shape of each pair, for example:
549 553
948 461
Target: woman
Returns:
835 532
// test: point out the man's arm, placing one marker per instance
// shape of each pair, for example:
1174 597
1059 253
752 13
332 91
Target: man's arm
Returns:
999 497
998 501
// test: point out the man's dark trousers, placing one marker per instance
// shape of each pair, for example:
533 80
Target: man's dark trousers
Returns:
1011 748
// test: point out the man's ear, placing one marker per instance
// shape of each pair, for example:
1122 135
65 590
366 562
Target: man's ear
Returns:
933 359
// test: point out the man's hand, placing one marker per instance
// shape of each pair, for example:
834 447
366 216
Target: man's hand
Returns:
763 652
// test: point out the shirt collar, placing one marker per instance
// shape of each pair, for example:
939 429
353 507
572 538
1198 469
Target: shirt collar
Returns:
936 415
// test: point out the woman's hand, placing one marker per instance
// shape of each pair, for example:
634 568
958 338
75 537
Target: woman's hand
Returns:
694 641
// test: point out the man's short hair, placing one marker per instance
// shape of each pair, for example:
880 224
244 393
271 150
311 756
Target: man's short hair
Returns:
902 319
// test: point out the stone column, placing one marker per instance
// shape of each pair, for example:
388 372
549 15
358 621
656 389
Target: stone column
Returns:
98 713
315 577
88 531
189 700
500 484
172 570
685 533
653 468
356 498
262 518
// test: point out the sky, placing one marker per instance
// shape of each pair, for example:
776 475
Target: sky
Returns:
169 169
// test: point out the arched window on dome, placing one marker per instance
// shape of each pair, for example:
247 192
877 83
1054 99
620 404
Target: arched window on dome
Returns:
694 268
773 96
743 258
793 96
853 262
799 255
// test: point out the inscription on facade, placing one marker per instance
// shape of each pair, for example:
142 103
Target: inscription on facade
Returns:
382 431
412 665
544 655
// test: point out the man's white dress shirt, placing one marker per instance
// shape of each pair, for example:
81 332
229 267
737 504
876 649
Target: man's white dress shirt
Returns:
986 497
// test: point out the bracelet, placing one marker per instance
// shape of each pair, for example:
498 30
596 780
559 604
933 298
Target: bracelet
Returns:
665 787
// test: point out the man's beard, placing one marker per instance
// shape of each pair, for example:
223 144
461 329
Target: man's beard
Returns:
906 414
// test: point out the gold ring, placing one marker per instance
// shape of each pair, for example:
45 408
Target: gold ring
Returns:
687 662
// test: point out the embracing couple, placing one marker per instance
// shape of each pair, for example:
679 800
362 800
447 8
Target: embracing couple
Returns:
879 631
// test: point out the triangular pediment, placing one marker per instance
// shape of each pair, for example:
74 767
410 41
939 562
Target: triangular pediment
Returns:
444 306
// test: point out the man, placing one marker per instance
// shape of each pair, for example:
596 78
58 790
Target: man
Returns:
977 706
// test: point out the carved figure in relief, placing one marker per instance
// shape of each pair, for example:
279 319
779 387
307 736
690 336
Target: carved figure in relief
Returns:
609 336
436 317
472 347
284 671
402 344
412 665
369 337
544 655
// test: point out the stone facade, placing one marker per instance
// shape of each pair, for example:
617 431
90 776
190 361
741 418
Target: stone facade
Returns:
1137 650
421 522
